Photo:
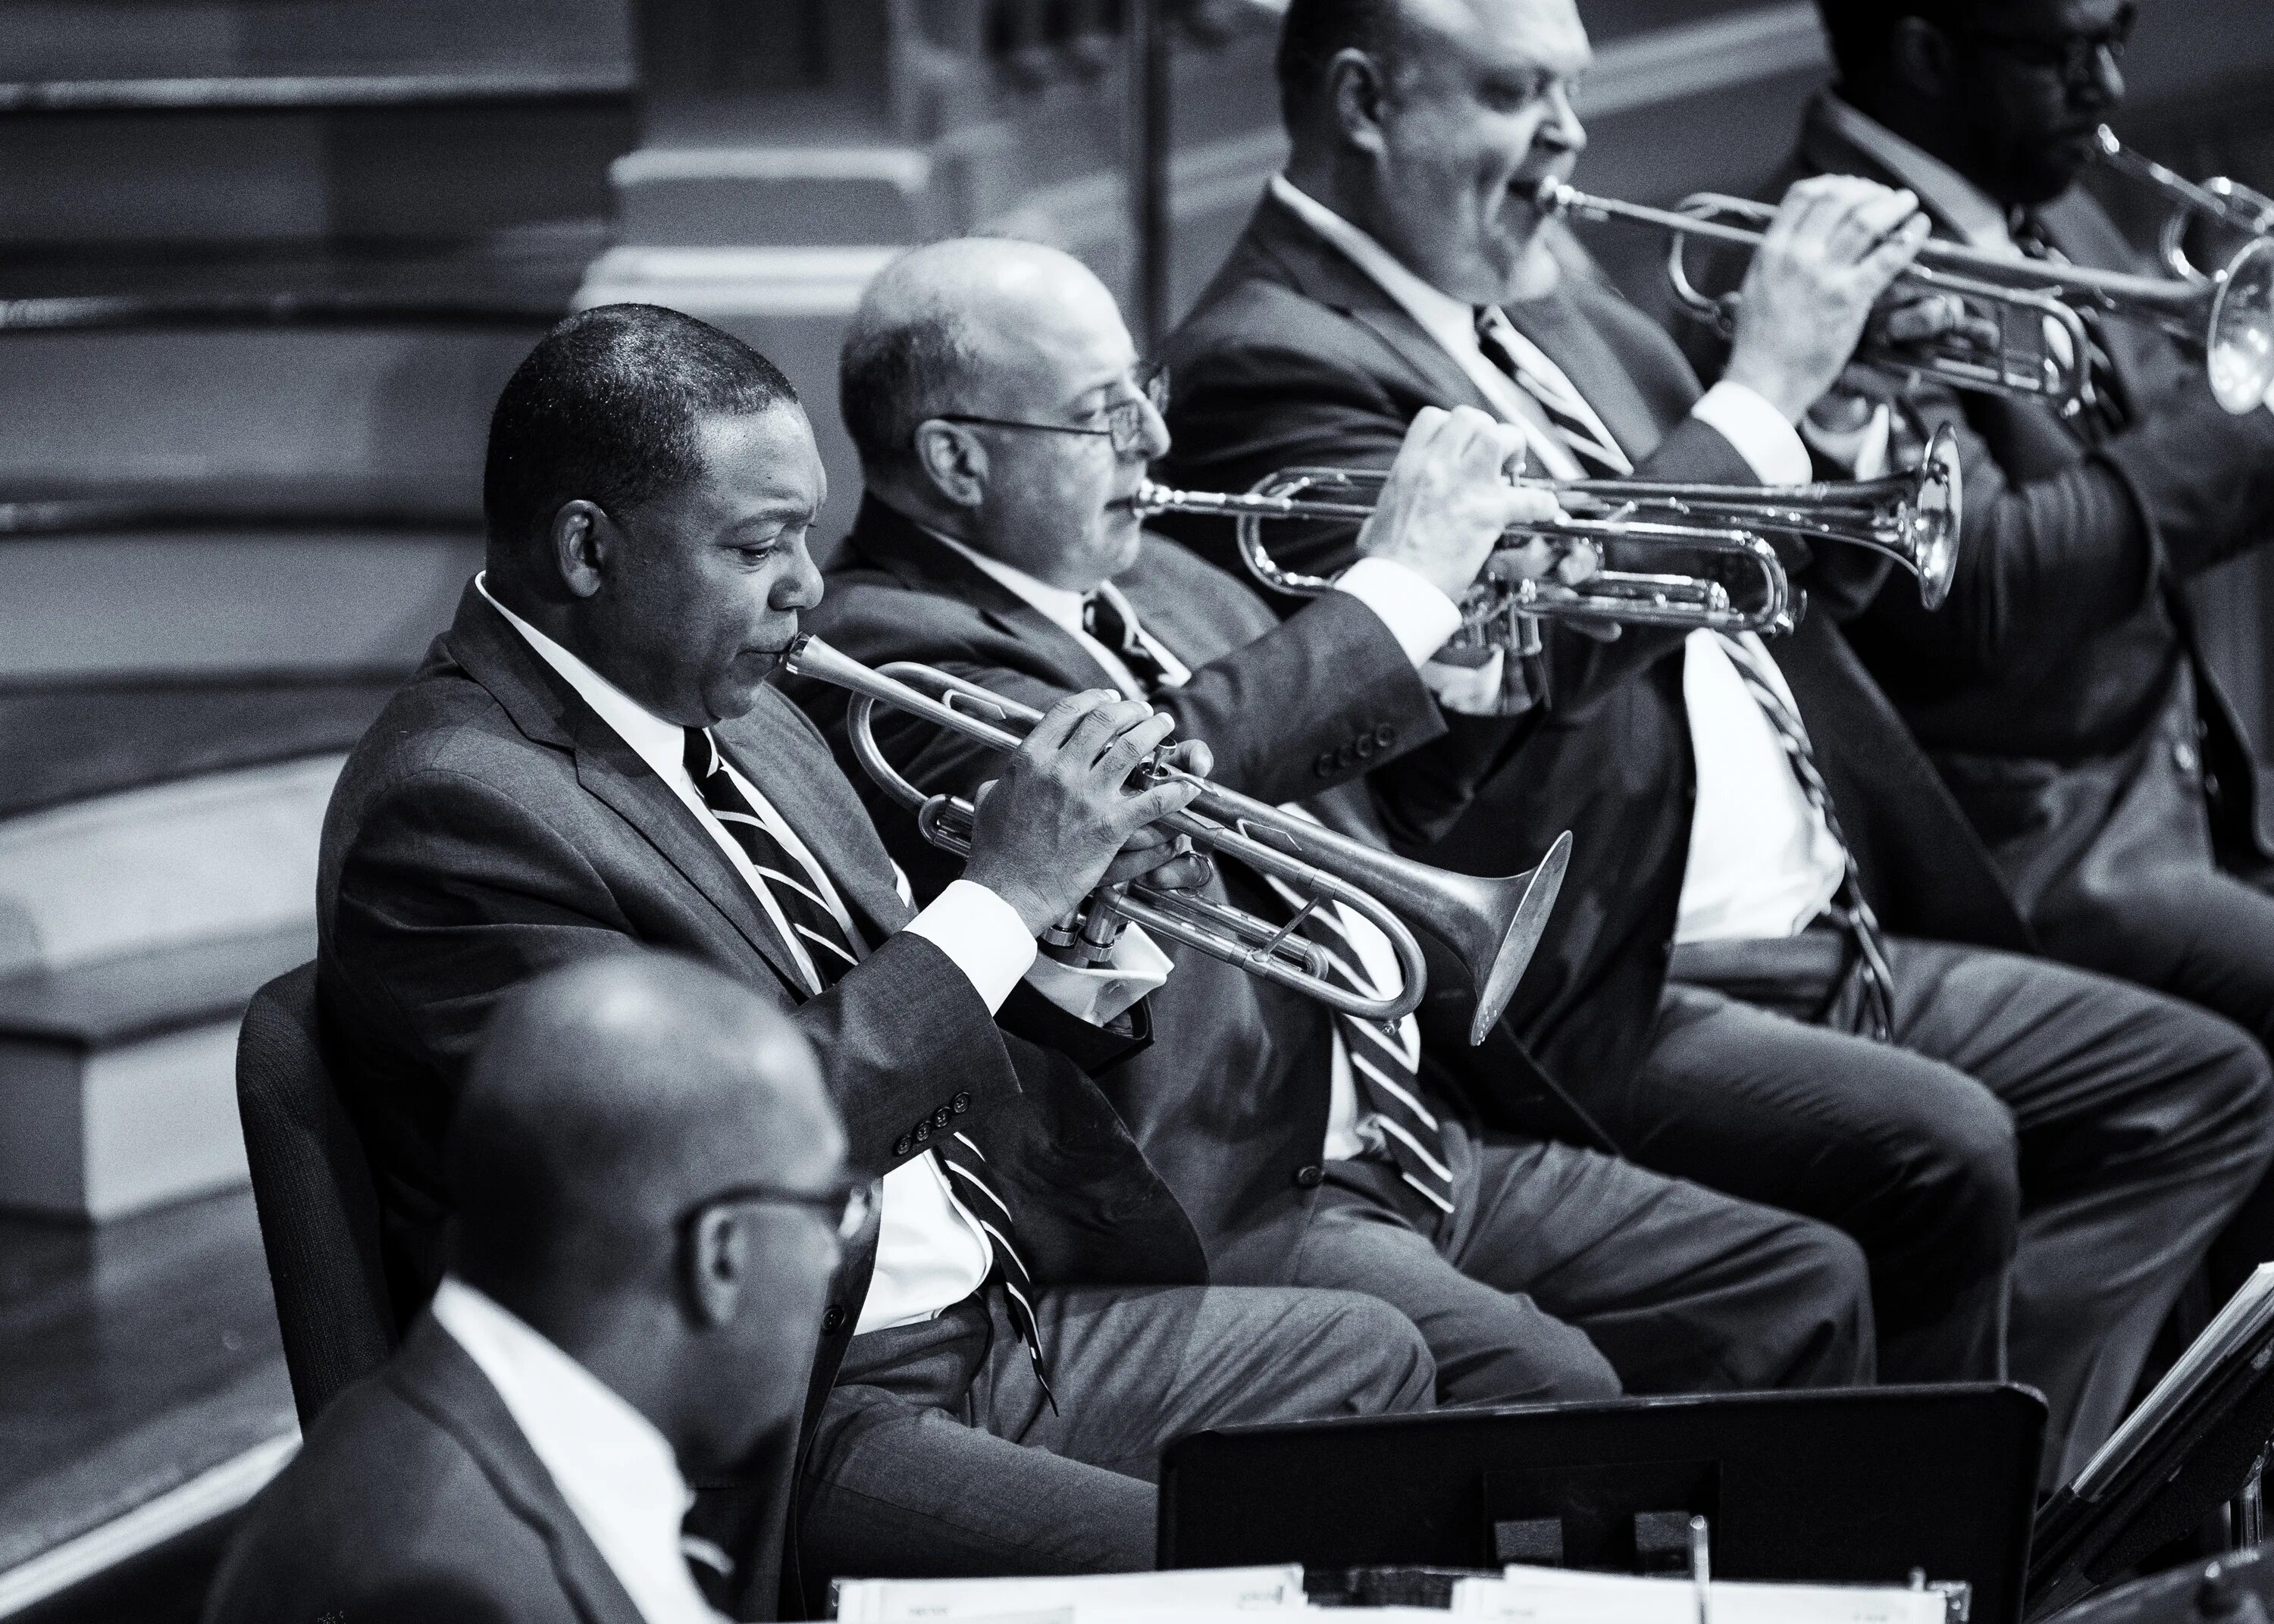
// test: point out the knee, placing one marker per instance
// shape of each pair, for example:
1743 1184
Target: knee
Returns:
1833 1335
1388 1361
1965 1188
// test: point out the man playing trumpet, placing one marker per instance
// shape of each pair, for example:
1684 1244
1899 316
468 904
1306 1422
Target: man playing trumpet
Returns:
2063 694
992 388
1744 982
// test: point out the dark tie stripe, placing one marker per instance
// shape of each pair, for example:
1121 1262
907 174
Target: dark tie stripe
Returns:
1596 454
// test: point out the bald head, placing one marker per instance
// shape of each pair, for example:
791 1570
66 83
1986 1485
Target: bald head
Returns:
965 327
609 1097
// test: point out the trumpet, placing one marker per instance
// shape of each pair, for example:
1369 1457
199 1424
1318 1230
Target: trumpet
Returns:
2226 202
2042 350
1491 926
1911 517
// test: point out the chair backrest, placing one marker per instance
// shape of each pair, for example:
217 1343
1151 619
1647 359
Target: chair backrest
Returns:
312 1188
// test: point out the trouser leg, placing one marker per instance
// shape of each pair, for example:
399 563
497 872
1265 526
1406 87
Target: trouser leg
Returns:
1683 1289
937 1453
2142 1123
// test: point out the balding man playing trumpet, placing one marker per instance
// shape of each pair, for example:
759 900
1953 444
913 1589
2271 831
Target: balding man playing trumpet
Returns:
992 389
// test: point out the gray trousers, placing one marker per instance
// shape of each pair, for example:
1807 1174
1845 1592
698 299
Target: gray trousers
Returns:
1562 1274
937 1455
2033 1166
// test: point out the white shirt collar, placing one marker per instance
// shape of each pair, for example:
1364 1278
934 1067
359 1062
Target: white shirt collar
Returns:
614 1469
1061 605
1450 321
662 745
1972 211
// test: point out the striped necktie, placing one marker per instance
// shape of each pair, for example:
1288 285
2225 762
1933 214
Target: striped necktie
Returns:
1849 905
1102 619
796 889
1575 423
1385 1059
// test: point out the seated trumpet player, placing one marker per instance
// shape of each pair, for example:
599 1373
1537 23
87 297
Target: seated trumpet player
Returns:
2062 695
991 389
1769 971
592 758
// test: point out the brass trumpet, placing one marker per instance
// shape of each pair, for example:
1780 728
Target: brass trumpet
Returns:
1911 517
2226 202
2228 318
1491 925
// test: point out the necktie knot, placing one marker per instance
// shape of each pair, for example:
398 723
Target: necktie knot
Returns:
1102 618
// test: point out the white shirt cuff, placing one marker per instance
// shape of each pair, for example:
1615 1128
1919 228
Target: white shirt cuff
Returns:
982 934
1769 446
1098 993
1419 616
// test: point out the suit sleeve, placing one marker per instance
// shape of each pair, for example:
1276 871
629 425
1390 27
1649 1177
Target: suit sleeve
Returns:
2045 562
456 892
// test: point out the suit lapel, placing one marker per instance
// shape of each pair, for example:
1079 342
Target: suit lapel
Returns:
546 709
1319 271
923 563
437 1377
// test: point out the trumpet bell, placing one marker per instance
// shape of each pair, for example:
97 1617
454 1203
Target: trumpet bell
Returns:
1932 520
1517 907
2241 342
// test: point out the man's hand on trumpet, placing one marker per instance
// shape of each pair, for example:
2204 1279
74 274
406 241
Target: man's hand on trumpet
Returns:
1450 498
1835 246
1065 817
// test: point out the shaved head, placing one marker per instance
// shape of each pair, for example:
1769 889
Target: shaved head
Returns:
607 1098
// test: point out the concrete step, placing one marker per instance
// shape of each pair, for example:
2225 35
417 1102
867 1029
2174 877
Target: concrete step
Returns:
405 408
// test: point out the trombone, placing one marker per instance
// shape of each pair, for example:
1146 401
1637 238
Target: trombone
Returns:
1491 926
1913 518
2227 318
2229 203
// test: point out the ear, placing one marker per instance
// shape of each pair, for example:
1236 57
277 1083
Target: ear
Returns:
583 538
717 1265
953 459
1921 58
1355 91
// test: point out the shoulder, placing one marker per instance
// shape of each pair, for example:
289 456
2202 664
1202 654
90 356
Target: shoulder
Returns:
444 725
1169 574
384 1512
866 608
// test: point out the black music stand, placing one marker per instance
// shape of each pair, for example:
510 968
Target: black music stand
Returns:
2197 1441
1849 1486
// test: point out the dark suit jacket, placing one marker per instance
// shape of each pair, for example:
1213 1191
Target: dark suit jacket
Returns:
2061 691
1229 1102
1293 356
489 826
416 1498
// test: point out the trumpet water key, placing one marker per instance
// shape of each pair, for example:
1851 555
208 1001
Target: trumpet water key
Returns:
2042 350
1491 926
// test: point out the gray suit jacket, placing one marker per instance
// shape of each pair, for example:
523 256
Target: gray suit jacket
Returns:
416 1499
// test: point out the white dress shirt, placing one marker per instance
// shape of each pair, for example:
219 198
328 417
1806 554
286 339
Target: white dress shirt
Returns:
615 1470
1762 862
1347 1135
930 1252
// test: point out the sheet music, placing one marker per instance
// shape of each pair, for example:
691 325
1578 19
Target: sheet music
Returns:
2247 1313
1565 1596
1098 1598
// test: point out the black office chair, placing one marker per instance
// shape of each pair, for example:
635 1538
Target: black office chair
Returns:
312 1189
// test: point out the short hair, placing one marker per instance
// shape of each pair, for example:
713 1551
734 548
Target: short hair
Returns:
893 374
1856 31
1310 35
605 408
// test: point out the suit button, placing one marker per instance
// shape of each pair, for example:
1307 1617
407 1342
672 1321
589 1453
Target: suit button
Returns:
1385 735
1325 765
2184 758
1365 746
941 1117
959 1104
903 1145
833 1317
924 1131
1310 1178
1345 756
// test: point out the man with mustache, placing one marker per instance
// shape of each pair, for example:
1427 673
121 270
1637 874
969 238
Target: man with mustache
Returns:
1754 979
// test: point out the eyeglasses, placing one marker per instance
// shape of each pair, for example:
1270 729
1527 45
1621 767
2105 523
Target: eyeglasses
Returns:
847 1203
1127 422
2075 57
